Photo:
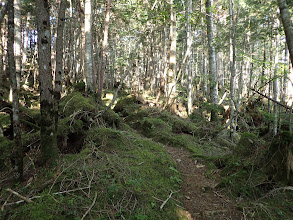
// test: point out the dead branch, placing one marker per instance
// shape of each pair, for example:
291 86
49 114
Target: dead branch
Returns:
165 202
275 101
92 205
28 200
272 192
36 197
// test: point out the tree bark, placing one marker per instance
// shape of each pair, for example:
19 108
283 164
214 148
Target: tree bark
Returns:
59 71
104 50
172 60
287 24
189 62
212 58
48 134
88 46
11 45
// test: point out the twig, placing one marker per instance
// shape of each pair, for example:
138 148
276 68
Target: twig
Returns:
92 205
164 203
36 197
61 174
4 204
28 200
276 190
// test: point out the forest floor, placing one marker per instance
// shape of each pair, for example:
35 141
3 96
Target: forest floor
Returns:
137 162
200 198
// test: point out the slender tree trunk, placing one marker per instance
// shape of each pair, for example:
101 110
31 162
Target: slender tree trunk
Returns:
59 58
48 131
104 50
287 24
285 81
189 62
275 86
13 42
88 46
212 58
81 65
172 60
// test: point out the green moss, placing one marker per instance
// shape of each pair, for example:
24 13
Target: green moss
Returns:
30 138
67 126
111 118
126 106
125 170
247 145
5 120
6 147
31 115
280 158
76 102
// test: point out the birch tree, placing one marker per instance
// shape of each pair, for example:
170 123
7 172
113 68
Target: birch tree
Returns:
88 47
189 62
172 60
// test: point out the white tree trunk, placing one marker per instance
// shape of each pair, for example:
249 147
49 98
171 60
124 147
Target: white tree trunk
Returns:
88 46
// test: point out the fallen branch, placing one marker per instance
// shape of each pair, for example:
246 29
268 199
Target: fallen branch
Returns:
5 203
36 197
165 202
272 192
275 101
28 200
92 205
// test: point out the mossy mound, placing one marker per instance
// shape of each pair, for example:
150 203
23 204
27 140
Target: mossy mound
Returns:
127 105
246 146
117 172
111 118
77 103
280 158
243 169
6 147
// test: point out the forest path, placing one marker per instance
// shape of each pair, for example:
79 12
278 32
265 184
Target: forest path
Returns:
200 199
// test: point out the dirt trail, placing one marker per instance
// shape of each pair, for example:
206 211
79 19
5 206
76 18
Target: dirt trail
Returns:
200 199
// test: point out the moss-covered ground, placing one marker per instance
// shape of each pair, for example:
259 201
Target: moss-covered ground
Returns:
113 164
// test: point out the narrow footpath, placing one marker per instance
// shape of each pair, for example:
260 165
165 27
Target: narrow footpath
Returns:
201 199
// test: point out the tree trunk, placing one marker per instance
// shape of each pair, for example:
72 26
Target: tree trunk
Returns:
189 62
88 46
212 59
104 50
13 42
172 61
287 24
59 58
48 134
275 87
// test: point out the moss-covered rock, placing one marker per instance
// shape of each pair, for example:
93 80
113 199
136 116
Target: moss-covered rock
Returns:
280 158
76 102
247 145
111 118
127 105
